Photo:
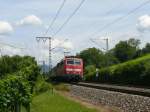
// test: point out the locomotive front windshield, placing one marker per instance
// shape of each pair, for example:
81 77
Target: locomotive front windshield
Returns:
70 62
73 62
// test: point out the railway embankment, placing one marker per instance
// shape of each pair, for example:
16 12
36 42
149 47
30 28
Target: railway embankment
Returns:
124 101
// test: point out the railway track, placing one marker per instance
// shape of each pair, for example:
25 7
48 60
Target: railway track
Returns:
116 88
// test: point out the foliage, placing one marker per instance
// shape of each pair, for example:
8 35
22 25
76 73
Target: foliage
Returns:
97 58
92 56
18 77
134 42
41 86
123 51
135 72
110 59
14 91
14 64
146 49
88 71
146 74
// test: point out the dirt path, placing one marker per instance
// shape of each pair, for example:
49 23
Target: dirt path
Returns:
84 102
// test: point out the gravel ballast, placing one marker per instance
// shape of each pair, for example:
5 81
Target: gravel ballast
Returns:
125 102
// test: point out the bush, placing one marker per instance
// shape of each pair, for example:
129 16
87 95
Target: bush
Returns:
18 78
41 85
14 92
145 77
88 72
135 72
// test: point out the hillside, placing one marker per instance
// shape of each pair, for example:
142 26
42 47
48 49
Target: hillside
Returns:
135 72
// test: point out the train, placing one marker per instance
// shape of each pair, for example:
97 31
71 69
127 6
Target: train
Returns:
69 69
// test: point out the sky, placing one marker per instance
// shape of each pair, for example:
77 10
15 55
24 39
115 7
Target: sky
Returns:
21 21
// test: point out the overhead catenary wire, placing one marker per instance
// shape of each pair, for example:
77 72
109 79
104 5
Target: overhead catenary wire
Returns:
61 43
50 27
120 18
97 43
5 44
109 11
55 17
68 19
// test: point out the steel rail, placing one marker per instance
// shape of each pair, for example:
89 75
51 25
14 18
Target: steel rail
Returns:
115 88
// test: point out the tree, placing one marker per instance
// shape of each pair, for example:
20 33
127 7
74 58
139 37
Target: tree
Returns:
125 50
146 49
15 63
134 42
92 56
110 59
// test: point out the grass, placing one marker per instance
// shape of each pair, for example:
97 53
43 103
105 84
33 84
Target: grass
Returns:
61 87
48 102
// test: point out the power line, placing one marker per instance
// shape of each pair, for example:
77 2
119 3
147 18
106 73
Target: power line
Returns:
54 19
68 19
61 43
5 44
120 18
92 40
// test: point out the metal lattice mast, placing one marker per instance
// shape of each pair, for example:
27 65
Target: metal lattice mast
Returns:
50 54
107 44
44 39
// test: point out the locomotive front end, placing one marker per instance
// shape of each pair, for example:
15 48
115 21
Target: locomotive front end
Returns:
73 68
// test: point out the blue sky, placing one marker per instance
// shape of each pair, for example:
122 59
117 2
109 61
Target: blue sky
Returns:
91 17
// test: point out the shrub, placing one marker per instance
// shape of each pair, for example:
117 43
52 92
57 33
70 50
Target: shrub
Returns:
145 77
89 71
135 72
14 92
42 87
17 82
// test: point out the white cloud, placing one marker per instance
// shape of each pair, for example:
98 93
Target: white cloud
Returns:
57 43
10 51
30 20
62 44
5 28
144 23
67 45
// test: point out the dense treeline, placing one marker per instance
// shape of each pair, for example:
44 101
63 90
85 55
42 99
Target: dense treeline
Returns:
122 52
134 72
18 77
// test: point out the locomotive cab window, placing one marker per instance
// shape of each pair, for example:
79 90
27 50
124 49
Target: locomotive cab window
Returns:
73 62
77 62
70 62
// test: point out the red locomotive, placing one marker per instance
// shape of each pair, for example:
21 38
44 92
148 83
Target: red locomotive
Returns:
69 69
